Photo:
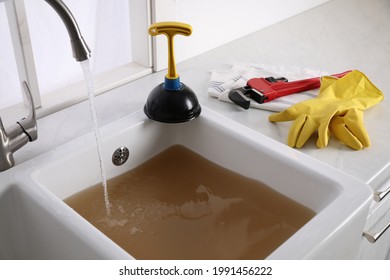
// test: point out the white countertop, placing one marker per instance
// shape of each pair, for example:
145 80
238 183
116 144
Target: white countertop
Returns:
337 36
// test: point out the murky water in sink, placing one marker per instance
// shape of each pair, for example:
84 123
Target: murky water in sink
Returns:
91 98
179 205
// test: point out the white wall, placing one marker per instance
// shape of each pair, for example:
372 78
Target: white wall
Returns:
216 22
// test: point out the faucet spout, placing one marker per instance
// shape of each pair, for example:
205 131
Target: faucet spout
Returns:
80 48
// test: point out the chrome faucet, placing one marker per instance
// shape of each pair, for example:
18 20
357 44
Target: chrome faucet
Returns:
25 130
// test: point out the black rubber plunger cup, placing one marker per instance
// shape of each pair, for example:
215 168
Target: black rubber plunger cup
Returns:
171 101
172 106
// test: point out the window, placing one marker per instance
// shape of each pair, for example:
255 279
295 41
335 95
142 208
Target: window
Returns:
120 52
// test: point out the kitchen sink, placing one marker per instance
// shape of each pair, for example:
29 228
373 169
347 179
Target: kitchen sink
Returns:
39 186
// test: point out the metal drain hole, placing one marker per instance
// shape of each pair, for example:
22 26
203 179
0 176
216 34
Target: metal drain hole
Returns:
120 156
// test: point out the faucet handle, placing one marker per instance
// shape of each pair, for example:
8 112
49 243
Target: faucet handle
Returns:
29 124
18 134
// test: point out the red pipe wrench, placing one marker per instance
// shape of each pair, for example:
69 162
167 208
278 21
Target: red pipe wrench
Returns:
266 89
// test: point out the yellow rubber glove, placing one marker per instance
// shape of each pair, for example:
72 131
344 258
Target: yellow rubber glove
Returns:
339 106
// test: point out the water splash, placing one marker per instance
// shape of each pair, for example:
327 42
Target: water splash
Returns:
91 97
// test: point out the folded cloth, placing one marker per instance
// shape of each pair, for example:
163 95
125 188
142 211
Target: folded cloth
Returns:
223 81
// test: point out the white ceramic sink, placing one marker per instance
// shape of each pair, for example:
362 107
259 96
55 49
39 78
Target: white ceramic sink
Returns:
39 185
32 228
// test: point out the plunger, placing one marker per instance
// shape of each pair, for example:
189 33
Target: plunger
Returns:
171 101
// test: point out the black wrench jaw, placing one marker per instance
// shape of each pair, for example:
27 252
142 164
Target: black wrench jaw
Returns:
239 96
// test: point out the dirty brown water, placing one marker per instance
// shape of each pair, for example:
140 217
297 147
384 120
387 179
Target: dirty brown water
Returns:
179 205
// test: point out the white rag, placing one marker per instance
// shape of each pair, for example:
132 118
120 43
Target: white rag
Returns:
223 81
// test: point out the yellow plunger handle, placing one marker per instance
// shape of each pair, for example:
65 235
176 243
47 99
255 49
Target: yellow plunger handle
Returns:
170 29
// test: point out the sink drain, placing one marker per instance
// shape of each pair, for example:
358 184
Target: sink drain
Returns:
120 156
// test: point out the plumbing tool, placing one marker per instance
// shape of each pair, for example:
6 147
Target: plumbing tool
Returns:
266 89
171 101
